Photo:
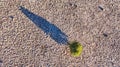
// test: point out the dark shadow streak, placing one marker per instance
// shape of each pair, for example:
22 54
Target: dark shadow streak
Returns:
50 29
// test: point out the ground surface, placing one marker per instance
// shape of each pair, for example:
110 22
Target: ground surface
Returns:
93 23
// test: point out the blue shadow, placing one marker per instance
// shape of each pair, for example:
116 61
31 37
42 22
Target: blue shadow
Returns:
48 28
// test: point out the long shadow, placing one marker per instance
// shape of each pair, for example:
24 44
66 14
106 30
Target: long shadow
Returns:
48 28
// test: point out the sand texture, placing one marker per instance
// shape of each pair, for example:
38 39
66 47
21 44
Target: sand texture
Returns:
34 33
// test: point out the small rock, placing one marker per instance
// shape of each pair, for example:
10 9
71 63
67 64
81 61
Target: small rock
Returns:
100 8
11 17
105 35
72 6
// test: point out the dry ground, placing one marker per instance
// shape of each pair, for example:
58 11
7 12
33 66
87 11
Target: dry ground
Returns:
93 23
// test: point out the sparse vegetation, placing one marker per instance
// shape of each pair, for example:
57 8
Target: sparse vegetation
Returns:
75 48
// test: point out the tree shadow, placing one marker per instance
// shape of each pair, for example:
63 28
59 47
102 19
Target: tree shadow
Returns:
48 28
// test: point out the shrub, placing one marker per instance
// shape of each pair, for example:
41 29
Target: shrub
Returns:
75 48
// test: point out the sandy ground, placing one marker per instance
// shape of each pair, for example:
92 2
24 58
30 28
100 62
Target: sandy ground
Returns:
93 23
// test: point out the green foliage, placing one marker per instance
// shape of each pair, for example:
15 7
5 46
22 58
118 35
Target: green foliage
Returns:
75 48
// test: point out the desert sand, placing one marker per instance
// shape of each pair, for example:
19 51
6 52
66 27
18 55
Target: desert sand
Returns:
93 23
